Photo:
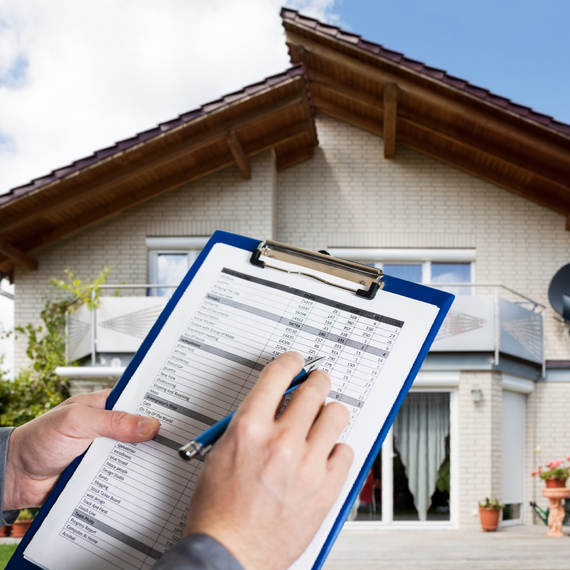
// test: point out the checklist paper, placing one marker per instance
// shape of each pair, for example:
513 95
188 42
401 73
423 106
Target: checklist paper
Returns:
126 504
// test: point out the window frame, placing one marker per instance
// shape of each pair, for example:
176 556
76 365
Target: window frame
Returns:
404 256
190 246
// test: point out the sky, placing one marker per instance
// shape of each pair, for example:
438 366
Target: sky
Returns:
77 76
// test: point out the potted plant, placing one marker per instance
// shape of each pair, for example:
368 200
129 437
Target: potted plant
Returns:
489 512
555 474
23 523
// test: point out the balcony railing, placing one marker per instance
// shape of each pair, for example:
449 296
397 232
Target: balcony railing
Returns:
498 321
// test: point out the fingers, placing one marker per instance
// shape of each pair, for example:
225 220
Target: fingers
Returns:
339 463
306 404
327 429
92 400
89 422
273 381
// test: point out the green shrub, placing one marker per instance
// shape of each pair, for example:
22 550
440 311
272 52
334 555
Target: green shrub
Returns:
37 388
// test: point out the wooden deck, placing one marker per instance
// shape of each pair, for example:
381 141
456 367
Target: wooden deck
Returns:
514 548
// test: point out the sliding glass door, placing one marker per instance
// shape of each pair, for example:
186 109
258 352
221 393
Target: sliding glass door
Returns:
410 481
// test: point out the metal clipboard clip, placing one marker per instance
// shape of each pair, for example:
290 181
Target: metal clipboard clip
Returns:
370 277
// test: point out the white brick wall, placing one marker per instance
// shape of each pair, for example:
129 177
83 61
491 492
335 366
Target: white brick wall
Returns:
480 444
547 429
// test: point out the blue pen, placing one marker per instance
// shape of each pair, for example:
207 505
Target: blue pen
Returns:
204 442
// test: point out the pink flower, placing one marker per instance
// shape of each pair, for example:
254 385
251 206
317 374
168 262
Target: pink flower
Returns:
533 473
568 458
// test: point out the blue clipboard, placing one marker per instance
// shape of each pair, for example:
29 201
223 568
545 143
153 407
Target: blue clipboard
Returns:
440 299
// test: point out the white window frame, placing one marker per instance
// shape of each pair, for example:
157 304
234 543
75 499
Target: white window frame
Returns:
396 256
444 381
190 246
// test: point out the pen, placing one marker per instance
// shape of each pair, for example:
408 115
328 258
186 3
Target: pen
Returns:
204 442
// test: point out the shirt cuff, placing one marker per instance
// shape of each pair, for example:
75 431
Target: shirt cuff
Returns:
8 517
197 552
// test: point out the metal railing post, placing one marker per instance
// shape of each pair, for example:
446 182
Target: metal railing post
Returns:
93 330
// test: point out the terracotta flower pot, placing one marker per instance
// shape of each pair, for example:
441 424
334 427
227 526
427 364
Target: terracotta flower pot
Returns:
19 528
555 482
5 530
489 519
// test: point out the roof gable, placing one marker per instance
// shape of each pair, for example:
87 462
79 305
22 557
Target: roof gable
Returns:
445 117
275 113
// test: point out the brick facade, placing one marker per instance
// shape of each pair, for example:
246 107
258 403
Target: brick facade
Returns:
348 195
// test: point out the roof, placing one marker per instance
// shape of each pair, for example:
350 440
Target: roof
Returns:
144 136
354 40
407 102
273 114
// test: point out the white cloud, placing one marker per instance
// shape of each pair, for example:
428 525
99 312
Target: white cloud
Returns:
77 76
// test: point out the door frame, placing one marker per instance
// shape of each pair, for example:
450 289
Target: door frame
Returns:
432 381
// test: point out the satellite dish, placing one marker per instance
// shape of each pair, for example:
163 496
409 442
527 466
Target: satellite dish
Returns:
559 292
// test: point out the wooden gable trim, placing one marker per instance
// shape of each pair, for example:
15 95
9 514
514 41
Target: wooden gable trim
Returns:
381 76
112 180
17 255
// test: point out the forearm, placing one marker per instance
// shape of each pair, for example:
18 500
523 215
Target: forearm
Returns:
198 552
8 517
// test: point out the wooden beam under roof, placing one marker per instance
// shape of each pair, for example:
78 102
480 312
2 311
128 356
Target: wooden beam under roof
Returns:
390 114
352 93
490 151
160 158
498 179
239 155
489 175
356 119
292 158
499 127
17 255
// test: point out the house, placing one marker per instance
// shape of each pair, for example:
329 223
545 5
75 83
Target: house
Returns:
374 157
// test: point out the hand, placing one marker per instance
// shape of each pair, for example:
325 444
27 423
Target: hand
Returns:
40 450
268 483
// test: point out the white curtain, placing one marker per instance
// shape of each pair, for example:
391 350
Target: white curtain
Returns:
420 429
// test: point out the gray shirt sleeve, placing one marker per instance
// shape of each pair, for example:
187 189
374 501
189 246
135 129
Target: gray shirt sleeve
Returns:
197 552
8 517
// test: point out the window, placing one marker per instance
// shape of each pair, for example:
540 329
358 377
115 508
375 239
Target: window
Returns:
169 261
428 266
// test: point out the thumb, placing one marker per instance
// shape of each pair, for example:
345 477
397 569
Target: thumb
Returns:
113 424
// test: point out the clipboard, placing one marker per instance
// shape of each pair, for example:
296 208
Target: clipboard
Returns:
365 283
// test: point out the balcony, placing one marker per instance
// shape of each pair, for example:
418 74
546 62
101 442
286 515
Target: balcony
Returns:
495 321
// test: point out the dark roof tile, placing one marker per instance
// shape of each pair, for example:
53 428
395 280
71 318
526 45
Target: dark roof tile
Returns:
412 64
348 37
369 46
354 39
497 100
308 22
477 91
434 72
518 109
326 29
391 55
